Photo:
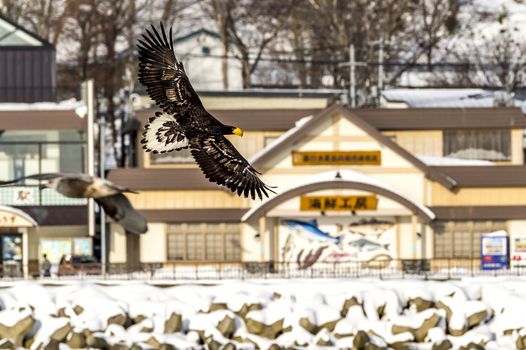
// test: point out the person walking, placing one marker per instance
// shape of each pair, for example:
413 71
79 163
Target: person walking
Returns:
45 266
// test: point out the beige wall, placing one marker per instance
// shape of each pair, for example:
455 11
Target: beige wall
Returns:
516 226
153 243
262 248
117 244
517 152
420 143
251 247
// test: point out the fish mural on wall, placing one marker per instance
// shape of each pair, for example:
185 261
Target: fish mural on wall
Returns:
371 226
312 230
306 243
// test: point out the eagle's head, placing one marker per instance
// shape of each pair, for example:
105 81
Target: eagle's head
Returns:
232 130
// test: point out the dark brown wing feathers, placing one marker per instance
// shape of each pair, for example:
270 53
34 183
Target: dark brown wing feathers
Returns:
167 84
163 75
221 163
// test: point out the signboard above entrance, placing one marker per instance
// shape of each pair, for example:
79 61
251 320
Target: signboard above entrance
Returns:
337 158
339 203
8 219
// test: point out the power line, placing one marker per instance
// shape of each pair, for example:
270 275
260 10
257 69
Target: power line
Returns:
461 65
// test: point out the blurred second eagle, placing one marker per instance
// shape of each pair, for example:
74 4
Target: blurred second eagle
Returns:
185 123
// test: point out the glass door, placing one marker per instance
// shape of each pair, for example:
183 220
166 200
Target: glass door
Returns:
11 254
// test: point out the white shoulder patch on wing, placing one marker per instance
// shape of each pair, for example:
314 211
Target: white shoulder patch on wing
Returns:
163 134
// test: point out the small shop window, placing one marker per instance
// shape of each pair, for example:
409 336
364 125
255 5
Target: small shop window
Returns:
175 157
480 144
204 242
461 239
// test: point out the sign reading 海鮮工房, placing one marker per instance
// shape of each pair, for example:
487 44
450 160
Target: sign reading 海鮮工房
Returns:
340 203
337 158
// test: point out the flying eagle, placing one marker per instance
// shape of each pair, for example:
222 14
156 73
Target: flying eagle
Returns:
185 123
107 194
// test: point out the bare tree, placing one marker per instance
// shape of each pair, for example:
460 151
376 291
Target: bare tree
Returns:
409 30
249 26
44 17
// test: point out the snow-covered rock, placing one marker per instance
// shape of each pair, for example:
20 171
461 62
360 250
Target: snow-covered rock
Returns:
317 314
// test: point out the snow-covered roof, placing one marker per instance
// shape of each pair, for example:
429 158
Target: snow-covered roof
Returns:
195 33
463 98
20 213
42 106
447 161
350 176
11 34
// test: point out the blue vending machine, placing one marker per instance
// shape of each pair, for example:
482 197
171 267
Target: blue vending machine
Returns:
494 251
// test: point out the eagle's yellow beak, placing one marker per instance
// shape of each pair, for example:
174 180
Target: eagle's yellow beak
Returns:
237 131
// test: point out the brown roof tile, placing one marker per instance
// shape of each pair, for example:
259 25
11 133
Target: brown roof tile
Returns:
195 215
161 179
382 119
442 118
486 176
41 120
480 212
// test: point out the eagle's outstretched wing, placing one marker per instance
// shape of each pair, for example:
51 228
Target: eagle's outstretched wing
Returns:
119 208
163 75
163 134
44 176
224 165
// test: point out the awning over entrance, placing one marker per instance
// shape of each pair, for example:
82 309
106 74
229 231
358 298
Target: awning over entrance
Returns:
344 179
12 217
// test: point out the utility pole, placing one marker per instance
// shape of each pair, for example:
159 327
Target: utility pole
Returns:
352 77
103 248
380 69
89 97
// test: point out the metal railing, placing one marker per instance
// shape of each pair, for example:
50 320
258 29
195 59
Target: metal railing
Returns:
394 269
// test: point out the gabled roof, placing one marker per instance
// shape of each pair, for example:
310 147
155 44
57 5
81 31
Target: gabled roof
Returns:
299 131
196 33
9 28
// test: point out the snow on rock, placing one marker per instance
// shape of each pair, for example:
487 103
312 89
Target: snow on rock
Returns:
508 307
319 316
463 315
24 294
267 314
15 324
91 308
380 303
49 329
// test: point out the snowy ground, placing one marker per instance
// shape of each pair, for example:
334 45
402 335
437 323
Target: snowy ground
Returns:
476 313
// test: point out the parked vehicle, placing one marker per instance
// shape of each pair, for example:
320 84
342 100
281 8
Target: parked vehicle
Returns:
78 264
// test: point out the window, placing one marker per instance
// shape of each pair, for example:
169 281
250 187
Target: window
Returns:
204 242
175 157
461 239
205 50
482 144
